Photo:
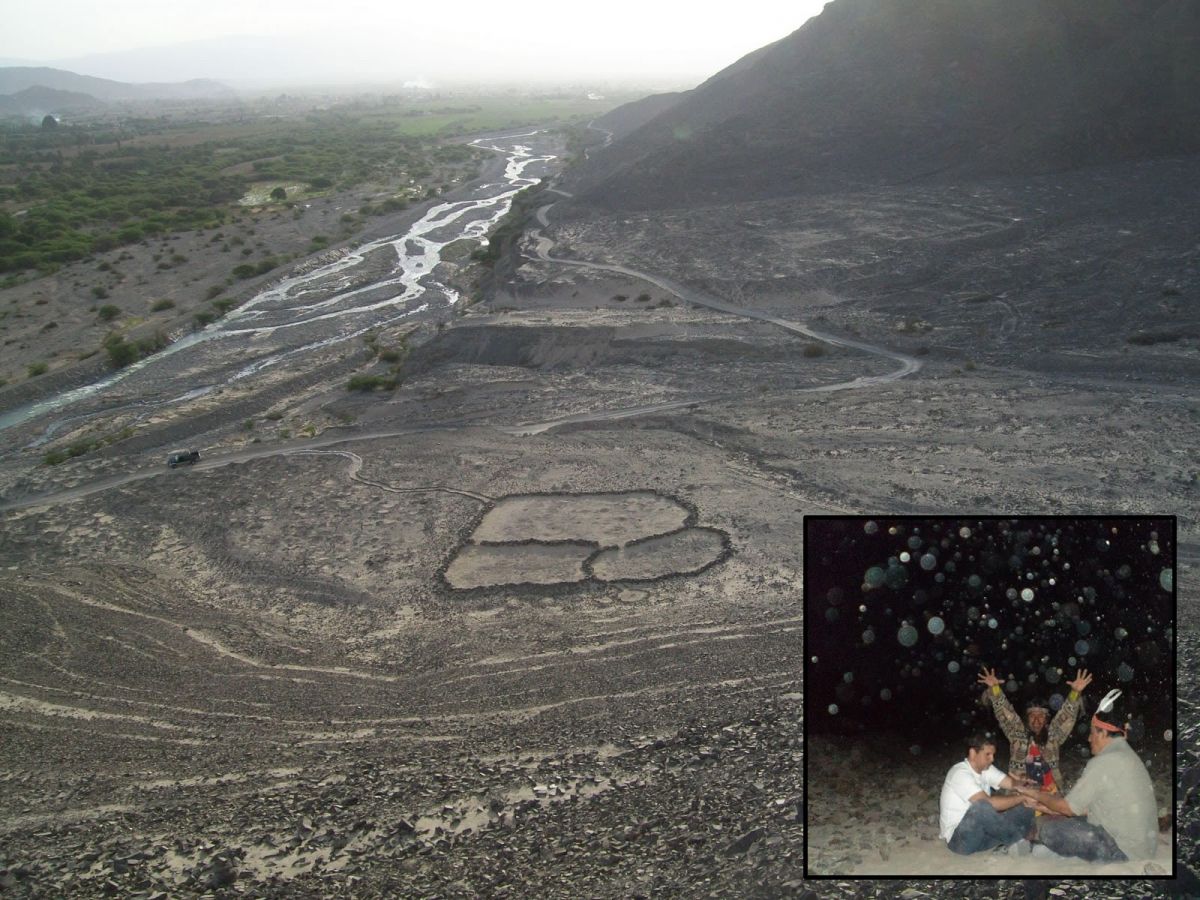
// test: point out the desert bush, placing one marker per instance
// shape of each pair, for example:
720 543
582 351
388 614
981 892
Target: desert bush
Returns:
367 383
108 312
160 305
37 368
814 350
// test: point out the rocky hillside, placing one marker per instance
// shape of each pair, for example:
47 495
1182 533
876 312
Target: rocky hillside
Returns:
879 91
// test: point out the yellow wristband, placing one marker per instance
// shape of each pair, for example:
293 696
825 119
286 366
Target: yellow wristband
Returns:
995 689
1074 695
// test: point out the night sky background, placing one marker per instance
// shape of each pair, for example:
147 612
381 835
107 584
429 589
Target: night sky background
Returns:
901 614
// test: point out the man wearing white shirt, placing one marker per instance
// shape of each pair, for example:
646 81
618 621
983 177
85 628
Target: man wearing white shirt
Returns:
972 819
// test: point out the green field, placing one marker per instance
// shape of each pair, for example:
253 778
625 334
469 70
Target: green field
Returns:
74 190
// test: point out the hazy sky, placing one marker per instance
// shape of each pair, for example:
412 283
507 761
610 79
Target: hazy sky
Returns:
462 39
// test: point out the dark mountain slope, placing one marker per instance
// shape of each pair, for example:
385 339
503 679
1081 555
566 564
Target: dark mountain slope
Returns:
18 78
893 90
47 100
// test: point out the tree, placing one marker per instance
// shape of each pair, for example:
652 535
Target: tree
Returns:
279 194
48 121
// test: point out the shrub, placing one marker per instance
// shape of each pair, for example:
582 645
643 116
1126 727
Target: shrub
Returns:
204 317
814 350
245 270
160 305
643 298
368 383
37 368
100 292
108 312
279 194
120 352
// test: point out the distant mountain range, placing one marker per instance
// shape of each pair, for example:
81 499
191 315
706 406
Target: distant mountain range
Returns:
877 91
33 90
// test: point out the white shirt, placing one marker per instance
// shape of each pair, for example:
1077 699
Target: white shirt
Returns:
962 782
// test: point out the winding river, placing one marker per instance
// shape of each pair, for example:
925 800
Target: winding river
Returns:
375 284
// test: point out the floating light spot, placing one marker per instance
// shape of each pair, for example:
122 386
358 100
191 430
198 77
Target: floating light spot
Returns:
868 636
1124 572
833 709
1120 634
831 615
939 578
1027 595
1166 579
1011 594
862 608
896 577
1071 661
874 577
814 660
1125 672
964 532
1168 734
975 582
915 749
914 542
907 635
835 596
992 623
1081 648
953 666
1056 700
848 678
1153 547
1052 676
904 556
871 528
1083 628
885 694
928 562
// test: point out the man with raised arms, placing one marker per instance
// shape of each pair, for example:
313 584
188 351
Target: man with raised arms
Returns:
1034 748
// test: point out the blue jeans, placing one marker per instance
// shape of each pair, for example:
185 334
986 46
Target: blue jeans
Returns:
982 828
1073 836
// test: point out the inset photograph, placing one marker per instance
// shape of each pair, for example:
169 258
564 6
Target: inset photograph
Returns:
989 696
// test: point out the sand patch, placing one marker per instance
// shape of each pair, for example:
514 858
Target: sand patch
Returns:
607 520
684 551
481 566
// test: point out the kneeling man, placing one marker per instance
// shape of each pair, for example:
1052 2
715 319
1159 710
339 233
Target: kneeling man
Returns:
1114 793
971 818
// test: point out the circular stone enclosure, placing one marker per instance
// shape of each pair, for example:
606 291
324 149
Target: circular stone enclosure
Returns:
544 539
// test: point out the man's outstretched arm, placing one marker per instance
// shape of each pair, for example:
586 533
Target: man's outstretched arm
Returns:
1010 722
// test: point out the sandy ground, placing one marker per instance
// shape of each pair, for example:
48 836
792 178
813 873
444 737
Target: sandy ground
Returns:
875 814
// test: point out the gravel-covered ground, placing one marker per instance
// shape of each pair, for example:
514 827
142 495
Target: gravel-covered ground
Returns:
250 677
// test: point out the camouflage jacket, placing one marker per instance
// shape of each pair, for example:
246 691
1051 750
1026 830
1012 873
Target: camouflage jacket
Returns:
1019 737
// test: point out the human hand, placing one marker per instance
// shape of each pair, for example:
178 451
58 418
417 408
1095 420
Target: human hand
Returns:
989 678
1082 680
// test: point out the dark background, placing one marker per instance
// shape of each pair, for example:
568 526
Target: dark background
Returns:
1103 599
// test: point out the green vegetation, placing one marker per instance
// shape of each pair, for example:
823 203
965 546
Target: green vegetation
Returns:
37 368
160 305
509 228
75 190
122 353
108 312
369 383
79 448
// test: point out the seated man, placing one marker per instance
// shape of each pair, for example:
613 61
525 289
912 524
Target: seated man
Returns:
971 818
1114 793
